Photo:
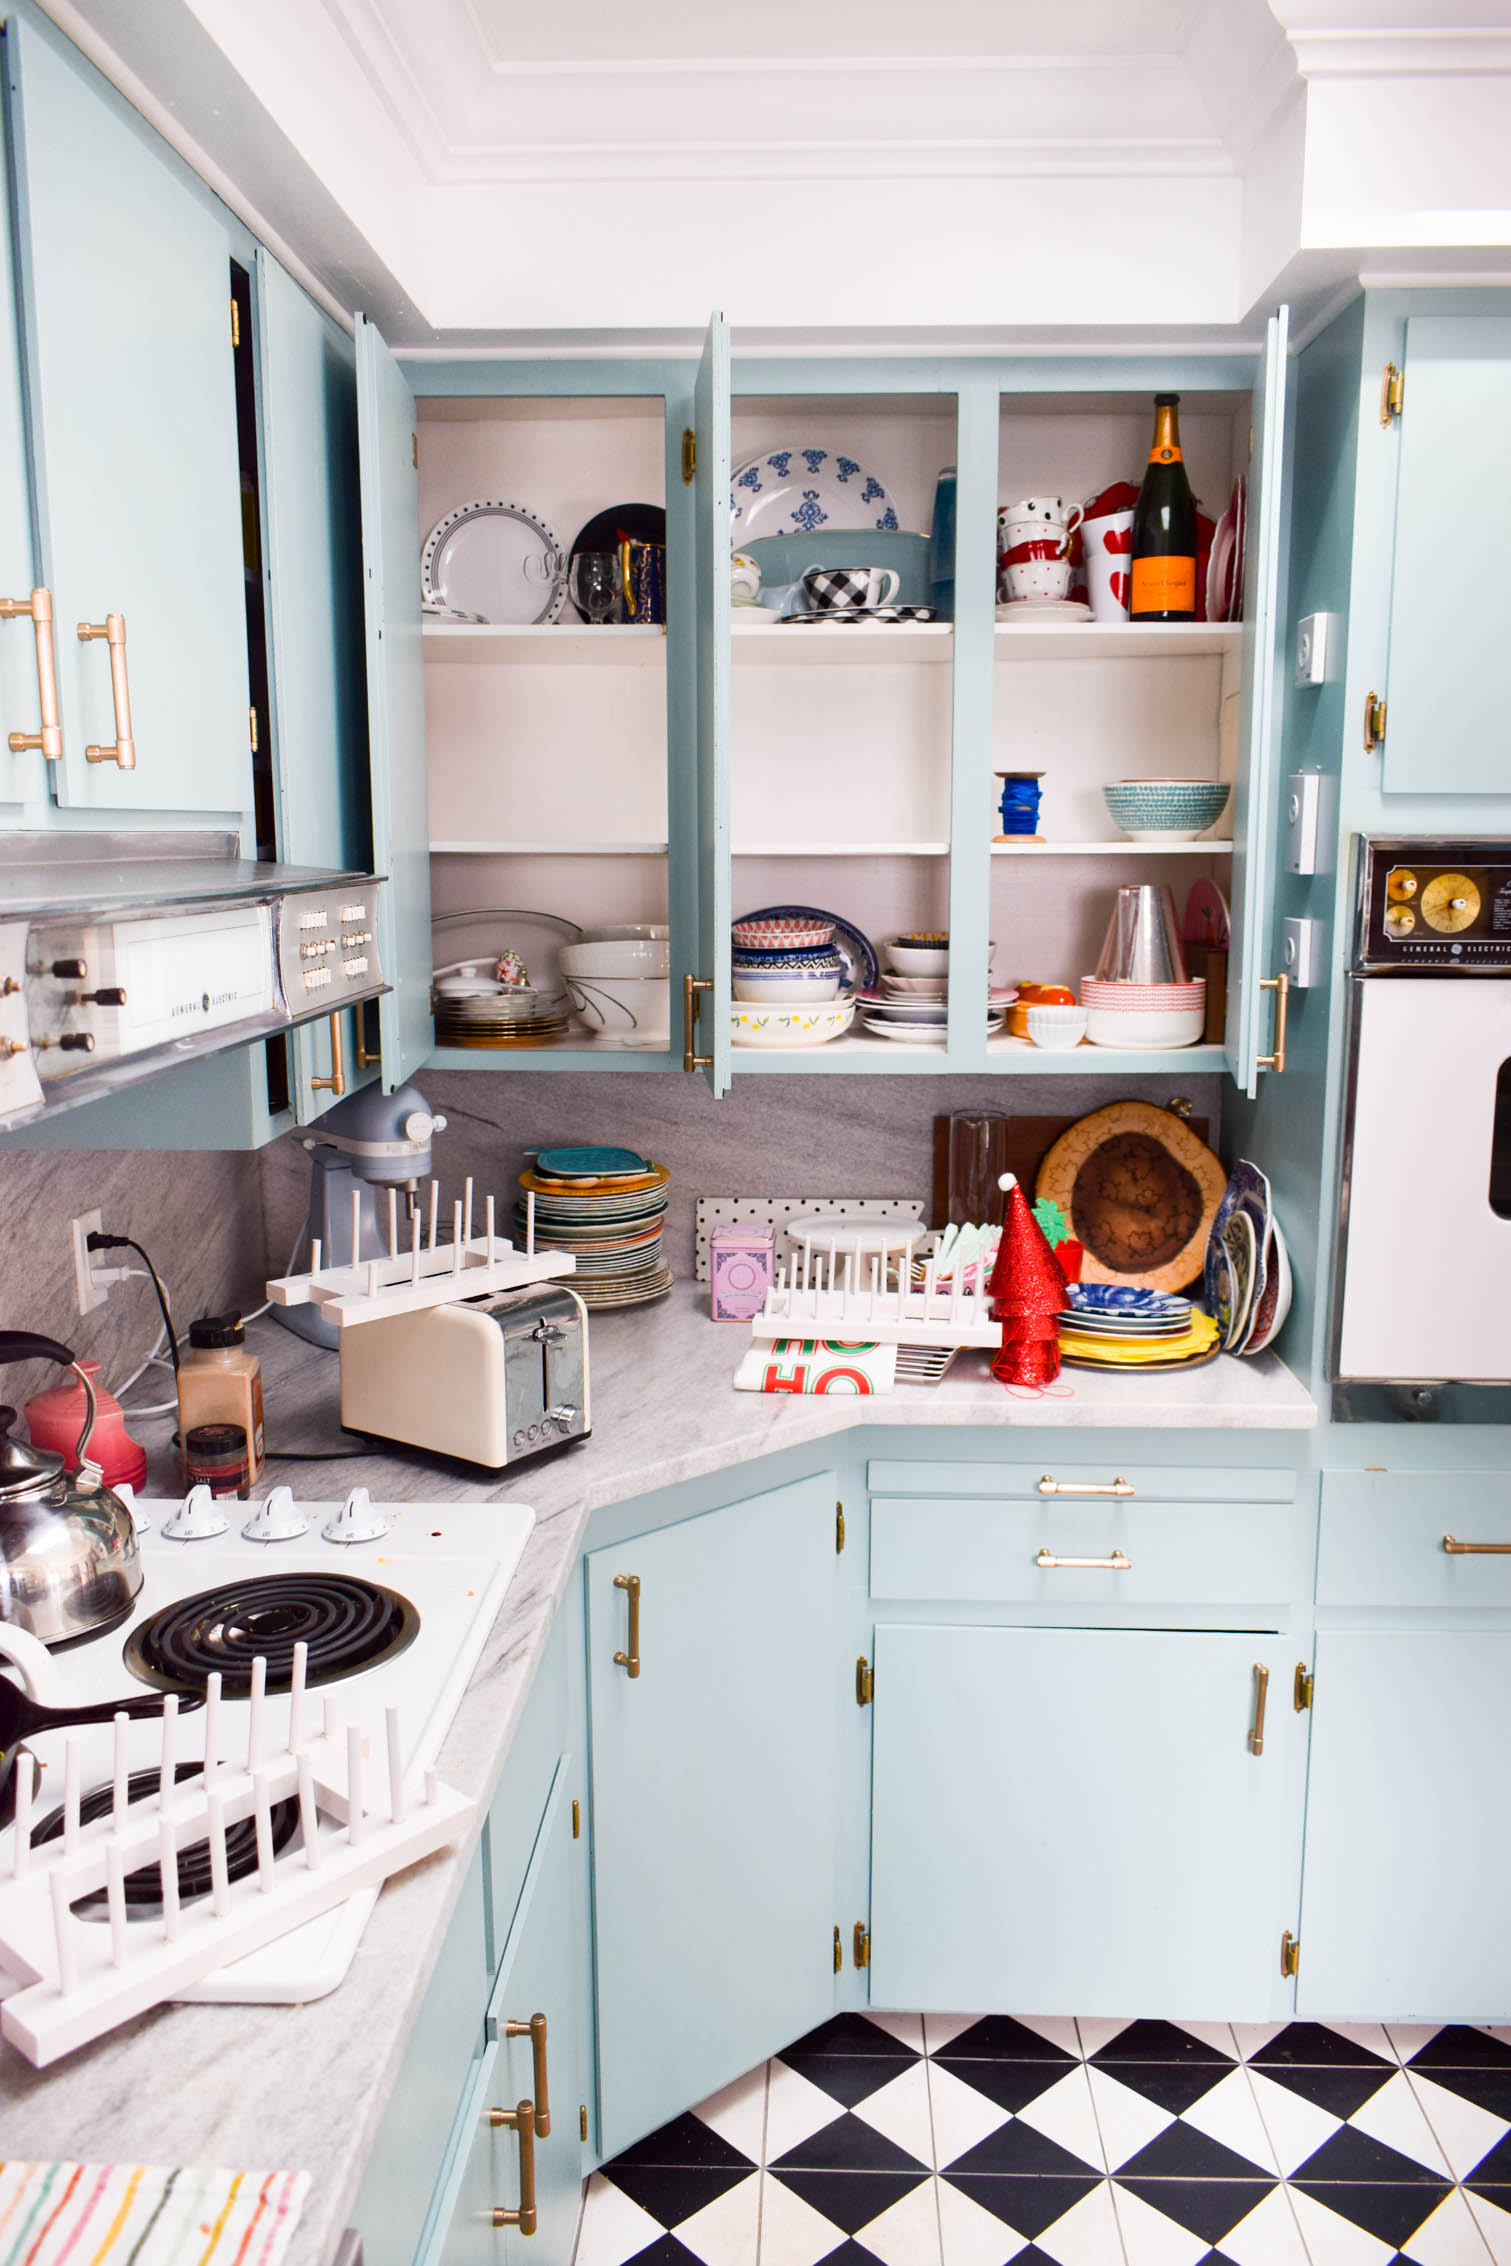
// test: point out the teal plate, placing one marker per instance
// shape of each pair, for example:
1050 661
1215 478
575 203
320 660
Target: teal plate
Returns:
587 1164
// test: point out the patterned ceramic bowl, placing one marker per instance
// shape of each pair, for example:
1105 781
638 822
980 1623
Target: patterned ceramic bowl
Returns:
785 983
1166 810
781 935
790 1026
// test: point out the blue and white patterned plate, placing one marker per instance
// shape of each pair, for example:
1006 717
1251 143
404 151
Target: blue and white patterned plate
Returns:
797 491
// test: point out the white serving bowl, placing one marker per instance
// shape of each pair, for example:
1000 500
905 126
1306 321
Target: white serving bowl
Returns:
786 987
624 932
618 956
632 1011
789 1026
1112 1026
914 987
918 959
1057 1028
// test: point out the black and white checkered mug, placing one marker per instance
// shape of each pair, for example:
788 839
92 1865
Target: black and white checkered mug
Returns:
843 590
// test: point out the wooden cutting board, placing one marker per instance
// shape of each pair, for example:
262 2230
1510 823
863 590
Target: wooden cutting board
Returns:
1016 1144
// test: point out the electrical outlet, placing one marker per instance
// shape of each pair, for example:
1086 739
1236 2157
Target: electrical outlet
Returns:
90 1293
1312 642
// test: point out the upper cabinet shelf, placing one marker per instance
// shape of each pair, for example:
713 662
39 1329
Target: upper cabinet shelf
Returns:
574 642
1116 641
757 639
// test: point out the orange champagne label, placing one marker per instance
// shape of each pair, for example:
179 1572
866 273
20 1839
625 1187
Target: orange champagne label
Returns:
1163 586
1166 453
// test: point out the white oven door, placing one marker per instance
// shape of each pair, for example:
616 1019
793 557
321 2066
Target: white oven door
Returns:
1427 1280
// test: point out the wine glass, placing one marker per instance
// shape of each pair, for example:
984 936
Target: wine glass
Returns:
597 584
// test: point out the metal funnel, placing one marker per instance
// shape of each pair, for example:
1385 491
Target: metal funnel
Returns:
1142 945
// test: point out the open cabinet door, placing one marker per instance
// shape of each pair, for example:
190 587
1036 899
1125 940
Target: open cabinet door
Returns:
386 428
711 411
1249 1009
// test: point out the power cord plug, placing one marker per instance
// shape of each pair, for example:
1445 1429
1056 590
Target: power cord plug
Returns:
97 1240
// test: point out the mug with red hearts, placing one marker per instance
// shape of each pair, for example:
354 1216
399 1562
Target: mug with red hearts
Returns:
1033 547
1106 547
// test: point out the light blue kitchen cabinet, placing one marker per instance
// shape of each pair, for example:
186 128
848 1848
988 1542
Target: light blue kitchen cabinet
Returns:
1072 1817
389 451
312 585
123 269
25 790
1408 1827
716 1687
707 1034
1445 684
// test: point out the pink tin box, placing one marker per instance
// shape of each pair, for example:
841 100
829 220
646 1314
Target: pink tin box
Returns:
741 1269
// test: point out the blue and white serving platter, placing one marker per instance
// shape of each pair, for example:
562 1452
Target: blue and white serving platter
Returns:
797 491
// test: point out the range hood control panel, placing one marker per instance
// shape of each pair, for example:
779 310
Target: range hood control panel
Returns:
93 1001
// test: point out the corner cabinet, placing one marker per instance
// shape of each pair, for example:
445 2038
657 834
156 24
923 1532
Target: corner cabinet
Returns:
622 774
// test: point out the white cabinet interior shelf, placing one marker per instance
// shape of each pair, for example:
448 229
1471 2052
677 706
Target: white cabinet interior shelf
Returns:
1026 849
548 849
868 642
569 642
1115 641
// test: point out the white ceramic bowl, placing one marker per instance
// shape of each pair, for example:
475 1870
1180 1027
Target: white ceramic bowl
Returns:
632 1011
786 987
914 987
625 931
1111 1026
618 956
789 1026
1057 1028
917 959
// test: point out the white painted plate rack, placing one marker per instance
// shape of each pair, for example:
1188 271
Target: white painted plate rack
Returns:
80 1977
429 1272
837 1295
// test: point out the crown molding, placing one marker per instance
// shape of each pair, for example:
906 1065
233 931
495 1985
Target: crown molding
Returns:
1402 51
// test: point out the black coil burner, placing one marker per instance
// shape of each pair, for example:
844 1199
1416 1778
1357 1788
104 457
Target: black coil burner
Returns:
144 1888
348 1624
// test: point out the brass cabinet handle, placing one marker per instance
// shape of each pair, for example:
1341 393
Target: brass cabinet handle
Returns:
1281 986
113 630
522 2121
693 988
1049 1485
535 2031
336 1082
1261 1695
38 609
630 1661
1457 1549
1116 1564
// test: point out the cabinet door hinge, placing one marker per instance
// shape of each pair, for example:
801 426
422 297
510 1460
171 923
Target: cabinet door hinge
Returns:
414 450
865 1682
1290 1954
839 1950
839 1528
689 455
235 325
576 1821
1306 1684
861 1946
1392 393
252 728
1374 721
582 2120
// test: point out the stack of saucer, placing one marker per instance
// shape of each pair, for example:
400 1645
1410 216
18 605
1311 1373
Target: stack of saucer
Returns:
607 1207
1123 1326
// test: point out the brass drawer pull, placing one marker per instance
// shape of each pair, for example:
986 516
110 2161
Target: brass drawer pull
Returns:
522 2121
693 988
535 2031
113 630
1116 1564
1048 1485
1261 1694
1457 1549
630 1661
38 610
336 1082
1281 987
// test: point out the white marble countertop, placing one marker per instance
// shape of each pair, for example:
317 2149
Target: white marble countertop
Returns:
305 2086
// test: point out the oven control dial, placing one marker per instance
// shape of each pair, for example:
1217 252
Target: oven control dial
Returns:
1450 902
1400 884
1400 920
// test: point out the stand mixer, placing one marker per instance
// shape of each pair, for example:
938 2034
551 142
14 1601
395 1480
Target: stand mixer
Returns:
371 1140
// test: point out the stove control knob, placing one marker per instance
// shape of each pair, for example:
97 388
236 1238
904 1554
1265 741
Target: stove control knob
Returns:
356 1521
197 1519
276 1520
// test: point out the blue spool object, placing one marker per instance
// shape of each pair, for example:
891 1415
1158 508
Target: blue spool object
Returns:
1020 802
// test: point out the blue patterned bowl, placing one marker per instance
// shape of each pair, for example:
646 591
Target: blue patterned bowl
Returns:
1168 810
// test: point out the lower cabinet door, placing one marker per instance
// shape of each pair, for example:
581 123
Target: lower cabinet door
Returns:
1408 1828
1075 1819
713 1798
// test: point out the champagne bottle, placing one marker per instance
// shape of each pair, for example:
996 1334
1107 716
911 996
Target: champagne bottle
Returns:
1164 528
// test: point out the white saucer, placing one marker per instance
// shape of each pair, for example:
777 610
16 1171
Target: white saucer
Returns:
1043 609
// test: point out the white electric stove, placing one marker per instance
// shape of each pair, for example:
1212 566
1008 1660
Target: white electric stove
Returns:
397 1622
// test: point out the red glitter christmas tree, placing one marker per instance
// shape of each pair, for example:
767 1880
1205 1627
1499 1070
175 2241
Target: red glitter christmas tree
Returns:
1028 1289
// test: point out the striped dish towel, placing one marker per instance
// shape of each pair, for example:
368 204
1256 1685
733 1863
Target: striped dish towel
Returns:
146 2215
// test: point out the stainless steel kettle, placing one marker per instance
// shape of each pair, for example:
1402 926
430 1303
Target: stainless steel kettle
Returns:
68 1555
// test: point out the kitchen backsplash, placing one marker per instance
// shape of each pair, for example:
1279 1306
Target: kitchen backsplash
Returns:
771 1136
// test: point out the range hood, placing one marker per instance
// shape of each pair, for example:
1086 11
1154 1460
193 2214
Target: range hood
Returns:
126 954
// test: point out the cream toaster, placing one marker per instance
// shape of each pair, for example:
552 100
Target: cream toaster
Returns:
490 1380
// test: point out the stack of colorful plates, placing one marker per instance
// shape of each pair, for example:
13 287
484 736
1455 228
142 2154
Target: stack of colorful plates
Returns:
1117 1326
607 1207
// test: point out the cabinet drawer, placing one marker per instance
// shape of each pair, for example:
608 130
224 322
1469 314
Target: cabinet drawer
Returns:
1176 1553
1073 1476
1384 1534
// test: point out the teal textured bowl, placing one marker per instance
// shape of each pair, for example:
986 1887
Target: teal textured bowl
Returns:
1175 810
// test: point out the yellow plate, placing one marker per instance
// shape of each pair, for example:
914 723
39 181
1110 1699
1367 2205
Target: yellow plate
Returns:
1136 1353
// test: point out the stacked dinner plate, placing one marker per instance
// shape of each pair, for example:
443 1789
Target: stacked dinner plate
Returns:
1120 1326
607 1207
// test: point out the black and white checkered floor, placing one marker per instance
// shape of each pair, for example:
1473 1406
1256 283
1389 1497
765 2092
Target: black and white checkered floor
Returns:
970 2141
